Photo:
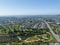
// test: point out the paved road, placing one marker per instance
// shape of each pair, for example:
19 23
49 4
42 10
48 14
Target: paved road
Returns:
19 38
11 30
31 40
35 26
52 32
54 43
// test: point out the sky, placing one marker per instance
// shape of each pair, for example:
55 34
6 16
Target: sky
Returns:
29 7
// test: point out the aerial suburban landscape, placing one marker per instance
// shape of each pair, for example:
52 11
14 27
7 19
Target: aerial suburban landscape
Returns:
29 22
30 30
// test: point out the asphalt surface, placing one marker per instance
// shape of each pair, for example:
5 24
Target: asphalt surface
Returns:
52 32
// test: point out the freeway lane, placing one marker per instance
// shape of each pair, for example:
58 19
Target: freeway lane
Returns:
52 32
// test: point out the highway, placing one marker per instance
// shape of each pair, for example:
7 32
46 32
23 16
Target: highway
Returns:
52 32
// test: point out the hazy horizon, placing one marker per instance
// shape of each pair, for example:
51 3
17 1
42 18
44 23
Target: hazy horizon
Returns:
29 7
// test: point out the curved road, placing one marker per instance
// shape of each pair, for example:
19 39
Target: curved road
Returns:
52 32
